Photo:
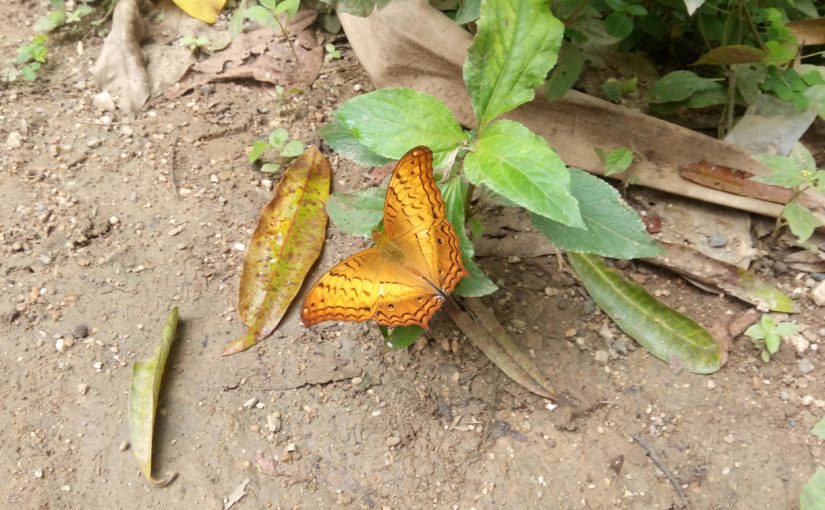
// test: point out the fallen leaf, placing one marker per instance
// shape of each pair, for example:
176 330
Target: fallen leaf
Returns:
733 180
204 10
121 66
667 334
479 324
808 32
724 277
263 55
237 495
285 244
144 387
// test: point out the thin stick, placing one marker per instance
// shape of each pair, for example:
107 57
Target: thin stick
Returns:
172 164
661 465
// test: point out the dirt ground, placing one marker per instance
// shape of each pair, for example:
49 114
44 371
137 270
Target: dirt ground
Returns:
105 227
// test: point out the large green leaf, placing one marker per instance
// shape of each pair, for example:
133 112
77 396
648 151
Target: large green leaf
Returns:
400 337
358 213
518 164
516 46
566 73
664 332
389 122
613 228
469 11
477 284
801 220
813 493
345 144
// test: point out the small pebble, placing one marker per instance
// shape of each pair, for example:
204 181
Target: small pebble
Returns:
601 357
65 488
291 447
807 400
805 366
784 395
717 241
60 345
14 140
273 423
38 473
356 381
114 220
710 384
249 404
393 441
124 445
83 388
818 294
570 333
97 365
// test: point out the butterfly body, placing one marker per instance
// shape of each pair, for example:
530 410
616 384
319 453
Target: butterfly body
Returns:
415 263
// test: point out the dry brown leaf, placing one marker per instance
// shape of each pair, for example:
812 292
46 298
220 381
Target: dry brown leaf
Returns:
263 55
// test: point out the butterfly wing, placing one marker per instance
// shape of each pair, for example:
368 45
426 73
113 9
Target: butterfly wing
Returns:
368 285
415 219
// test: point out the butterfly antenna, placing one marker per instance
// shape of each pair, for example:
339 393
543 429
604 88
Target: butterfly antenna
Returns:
436 288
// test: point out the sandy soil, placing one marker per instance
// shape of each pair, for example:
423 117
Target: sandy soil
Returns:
103 228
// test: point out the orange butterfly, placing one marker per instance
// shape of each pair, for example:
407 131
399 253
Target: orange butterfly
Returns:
415 263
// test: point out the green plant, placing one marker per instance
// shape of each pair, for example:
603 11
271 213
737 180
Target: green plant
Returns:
813 493
503 157
59 15
30 58
332 52
797 172
767 335
277 141
267 13
195 44
616 161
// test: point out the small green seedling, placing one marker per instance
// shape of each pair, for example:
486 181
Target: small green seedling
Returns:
615 89
195 44
30 58
616 161
276 140
797 172
768 333
332 53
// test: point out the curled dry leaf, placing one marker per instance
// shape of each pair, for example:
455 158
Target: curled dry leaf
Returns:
144 387
285 244
480 325
263 55
121 66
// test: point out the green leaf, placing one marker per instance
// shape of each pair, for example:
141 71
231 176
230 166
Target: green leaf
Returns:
516 46
677 86
391 121
813 493
772 342
469 11
756 332
566 72
293 149
716 93
617 161
270 168
341 139
819 428
802 158
51 21
784 329
801 220
269 4
636 10
260 14
477 284
518 164
401 337
786 173
665 333
277 137
144 387
258 148
288 6
613 228
618 25
612 89
358 213
779 53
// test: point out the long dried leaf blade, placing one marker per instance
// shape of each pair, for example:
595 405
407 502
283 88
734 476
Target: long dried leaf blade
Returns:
482 328
665 333
285 244
144 387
